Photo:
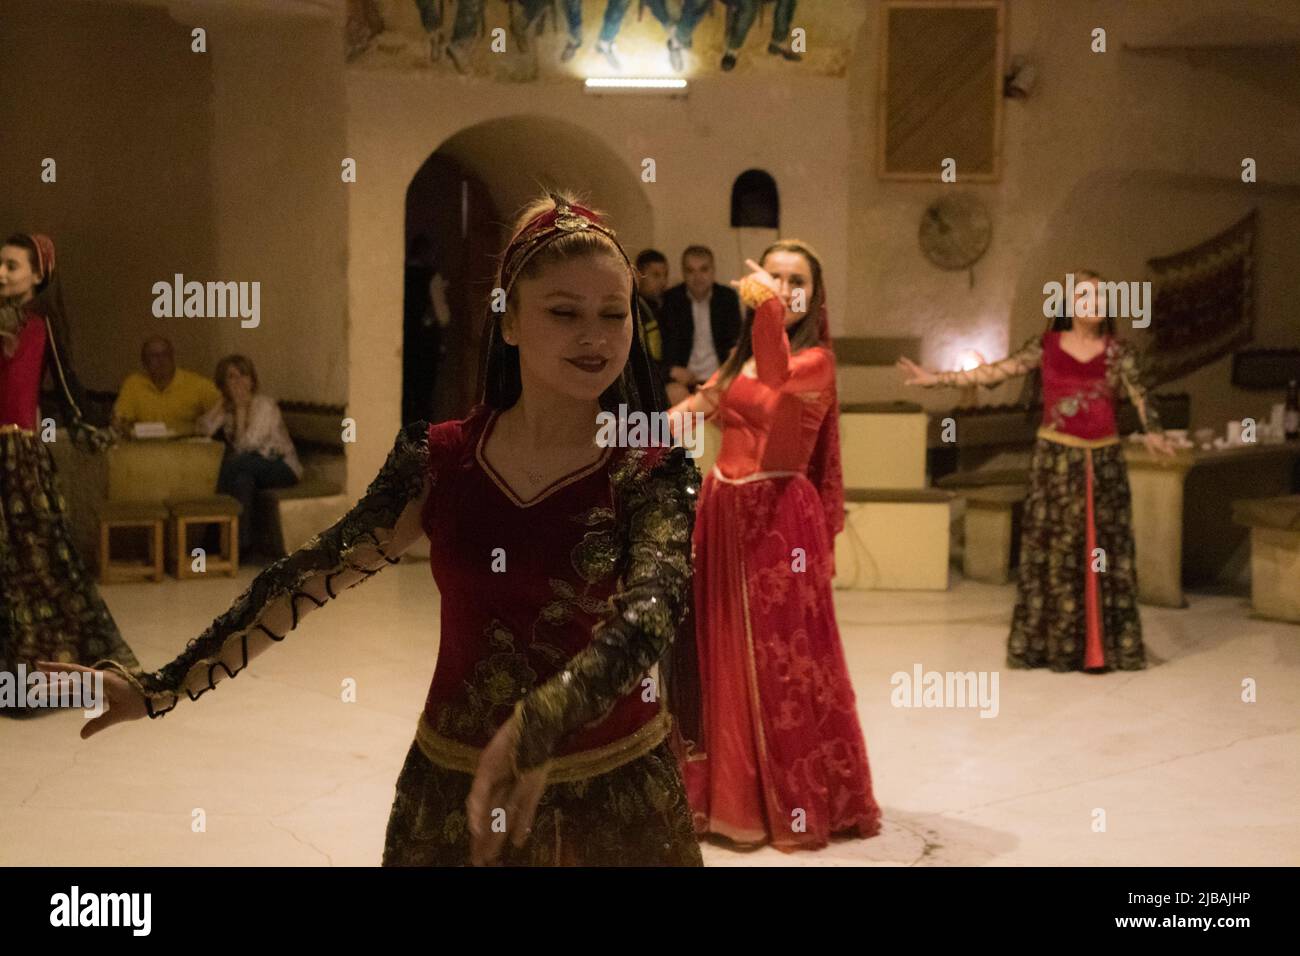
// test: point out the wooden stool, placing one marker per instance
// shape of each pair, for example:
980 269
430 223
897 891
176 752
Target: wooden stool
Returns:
131 514
221 510
992 519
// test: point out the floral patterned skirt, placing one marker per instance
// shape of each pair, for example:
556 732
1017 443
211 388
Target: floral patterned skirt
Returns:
50 608
634 815
1058 610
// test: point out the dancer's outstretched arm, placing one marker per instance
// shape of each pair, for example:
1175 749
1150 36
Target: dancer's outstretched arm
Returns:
1021 362
370 537
704 400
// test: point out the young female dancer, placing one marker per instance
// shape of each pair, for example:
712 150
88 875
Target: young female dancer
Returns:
778 756
563 568
49 606
1076 596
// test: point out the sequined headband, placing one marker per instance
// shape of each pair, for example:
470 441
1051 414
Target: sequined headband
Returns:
545 228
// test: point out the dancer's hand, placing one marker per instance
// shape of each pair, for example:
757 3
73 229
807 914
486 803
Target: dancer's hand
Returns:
123 701
497 788
1158 444
759 278
914 374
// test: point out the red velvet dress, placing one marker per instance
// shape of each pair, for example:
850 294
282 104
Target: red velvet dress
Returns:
782 759
557 609
522 585
20 377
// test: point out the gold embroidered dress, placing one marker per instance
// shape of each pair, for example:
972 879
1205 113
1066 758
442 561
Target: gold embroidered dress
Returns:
558 607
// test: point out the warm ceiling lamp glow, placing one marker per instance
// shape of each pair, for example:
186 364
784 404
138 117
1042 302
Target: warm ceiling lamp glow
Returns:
971 359
620 84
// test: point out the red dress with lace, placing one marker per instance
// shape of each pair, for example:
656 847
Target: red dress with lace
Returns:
782 759
523 585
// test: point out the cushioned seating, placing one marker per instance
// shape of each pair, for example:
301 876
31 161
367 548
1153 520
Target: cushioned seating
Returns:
1274 525
132 511
286 518
1280 513
219 505
984 478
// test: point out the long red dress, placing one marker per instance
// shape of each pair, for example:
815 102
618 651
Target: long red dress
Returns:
782 758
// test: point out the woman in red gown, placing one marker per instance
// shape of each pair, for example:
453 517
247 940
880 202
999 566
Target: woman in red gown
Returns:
778 756
50 608
563 570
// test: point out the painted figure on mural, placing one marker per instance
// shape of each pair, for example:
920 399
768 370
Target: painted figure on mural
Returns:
740 17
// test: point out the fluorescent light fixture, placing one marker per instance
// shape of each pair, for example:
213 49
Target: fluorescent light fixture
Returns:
620 84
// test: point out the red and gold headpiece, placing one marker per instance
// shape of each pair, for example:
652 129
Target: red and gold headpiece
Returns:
545 228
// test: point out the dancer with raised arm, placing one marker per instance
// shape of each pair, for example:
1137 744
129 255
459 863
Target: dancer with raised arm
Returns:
777 755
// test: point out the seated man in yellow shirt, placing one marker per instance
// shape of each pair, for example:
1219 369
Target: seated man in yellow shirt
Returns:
166 393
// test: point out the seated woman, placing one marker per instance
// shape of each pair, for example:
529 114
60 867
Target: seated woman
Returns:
259 451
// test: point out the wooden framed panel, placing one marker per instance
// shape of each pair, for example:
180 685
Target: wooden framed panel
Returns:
941 79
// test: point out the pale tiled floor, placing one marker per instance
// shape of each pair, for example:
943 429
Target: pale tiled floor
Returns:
287 773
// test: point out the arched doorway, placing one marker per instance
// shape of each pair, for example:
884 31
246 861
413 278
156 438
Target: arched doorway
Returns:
452 233
459 206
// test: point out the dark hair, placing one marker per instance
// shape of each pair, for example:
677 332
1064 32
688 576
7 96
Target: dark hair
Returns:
501 383
702 251
48 300
24 242
805 333
647 256
241 362
1064 322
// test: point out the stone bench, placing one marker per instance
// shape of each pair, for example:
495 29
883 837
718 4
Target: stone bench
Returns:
1274 525
992 525
894 539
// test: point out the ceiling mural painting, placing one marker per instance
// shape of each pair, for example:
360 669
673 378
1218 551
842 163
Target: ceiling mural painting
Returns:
525 40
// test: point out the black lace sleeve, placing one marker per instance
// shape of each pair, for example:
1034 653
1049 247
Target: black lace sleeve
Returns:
352 544
1128 369
644 613
991 374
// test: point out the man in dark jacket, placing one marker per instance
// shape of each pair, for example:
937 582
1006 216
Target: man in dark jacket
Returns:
700 323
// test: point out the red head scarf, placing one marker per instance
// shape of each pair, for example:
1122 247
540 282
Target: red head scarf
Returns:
44 254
